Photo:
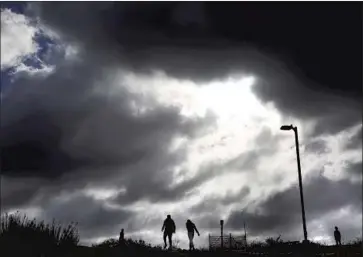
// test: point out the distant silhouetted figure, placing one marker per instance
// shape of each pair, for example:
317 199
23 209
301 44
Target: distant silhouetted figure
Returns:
337 236
190 228
169 229
121 239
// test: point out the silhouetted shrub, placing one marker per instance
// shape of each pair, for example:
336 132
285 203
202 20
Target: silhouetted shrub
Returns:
108 243
356 242
19 233
270 241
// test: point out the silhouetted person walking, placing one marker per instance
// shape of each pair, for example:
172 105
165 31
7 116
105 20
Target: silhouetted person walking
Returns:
337 236
190 228
121 239
169 229
122 236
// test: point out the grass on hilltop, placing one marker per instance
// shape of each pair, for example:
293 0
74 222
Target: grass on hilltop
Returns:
21 236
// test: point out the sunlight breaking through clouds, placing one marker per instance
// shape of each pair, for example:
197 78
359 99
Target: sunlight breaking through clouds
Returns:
103 193
30 48
227 98
239 114
129 134
17 38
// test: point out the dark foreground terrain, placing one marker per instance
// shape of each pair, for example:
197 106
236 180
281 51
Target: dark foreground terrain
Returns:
21 237
81 251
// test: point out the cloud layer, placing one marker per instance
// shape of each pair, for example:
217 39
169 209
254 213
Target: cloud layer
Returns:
105 140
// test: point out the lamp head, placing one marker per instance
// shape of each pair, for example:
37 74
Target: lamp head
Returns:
286 127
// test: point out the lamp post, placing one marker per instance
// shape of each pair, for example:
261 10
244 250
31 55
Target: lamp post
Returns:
291 127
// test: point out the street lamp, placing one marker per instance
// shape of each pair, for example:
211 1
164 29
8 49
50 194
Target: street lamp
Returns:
291 127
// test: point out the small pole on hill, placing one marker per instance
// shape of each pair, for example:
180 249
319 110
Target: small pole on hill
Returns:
244 226
222 233
209 242
230 241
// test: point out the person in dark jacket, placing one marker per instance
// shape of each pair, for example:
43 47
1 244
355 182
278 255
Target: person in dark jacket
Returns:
168 228
190 228
337 236
121 239
122 236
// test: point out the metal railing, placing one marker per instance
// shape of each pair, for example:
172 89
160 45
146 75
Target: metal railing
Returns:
227 242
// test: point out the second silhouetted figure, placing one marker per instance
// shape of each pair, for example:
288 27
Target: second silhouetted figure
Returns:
190 228
168 228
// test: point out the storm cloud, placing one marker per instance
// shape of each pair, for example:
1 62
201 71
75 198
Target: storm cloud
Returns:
83 126
60 127
155 36
282 212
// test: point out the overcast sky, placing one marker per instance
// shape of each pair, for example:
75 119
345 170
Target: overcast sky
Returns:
114 115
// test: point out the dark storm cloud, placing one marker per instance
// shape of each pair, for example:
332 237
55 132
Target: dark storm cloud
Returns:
318 146
331 112
354 169
60 127
281 213
57 128
17 193
145 38
93 217
308 81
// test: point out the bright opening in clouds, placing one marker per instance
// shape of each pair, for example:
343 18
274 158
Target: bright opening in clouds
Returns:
17 38
115 121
